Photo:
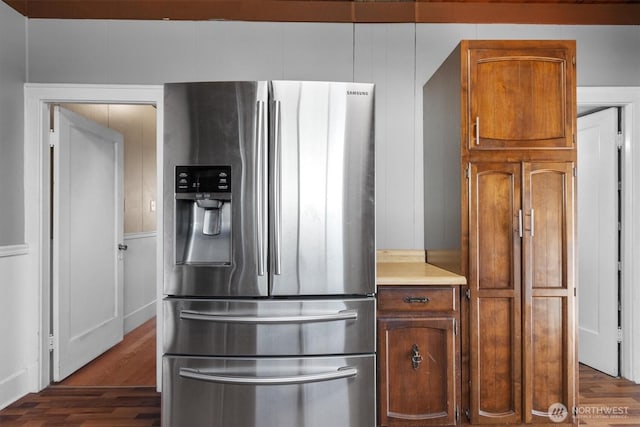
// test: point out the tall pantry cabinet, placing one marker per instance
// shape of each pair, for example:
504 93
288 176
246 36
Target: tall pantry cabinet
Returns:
500 167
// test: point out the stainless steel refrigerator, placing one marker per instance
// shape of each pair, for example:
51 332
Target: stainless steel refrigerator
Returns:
269 255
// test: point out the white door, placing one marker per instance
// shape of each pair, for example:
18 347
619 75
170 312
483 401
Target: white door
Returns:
87 228
598 240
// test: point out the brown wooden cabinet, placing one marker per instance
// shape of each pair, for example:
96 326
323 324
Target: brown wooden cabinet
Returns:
520 230
519 95
418 355
509 109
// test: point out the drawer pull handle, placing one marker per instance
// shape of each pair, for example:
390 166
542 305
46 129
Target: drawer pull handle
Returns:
415 300
225 378
416 357
256 320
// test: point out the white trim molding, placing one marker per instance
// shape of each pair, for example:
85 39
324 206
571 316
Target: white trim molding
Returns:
629 99
14 250
16 385
37 98
138 317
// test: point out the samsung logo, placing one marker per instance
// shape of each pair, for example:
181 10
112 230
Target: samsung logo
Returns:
357 92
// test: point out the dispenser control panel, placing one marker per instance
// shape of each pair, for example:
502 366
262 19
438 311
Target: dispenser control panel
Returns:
203 179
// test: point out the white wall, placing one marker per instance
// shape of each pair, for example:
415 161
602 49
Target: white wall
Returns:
19 317
156 52
385 55
12 77
139 279
18 302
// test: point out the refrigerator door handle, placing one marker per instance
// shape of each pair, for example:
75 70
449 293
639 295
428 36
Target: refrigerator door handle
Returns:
303 318
196 374
277 189
260 189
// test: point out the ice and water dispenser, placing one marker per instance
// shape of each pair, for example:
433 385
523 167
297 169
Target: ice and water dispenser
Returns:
203 215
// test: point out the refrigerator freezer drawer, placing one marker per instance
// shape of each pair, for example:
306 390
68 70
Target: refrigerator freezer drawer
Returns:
205 327
269 392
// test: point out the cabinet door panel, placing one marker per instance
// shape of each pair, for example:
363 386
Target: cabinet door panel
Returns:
548 287
422 393
494 214
498 359
547 349
546 211
494 285
520 98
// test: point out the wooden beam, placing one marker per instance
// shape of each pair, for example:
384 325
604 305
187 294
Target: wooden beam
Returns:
529 13
564 12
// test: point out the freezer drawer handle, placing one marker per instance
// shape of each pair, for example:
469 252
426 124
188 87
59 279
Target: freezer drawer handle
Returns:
215 317
196 374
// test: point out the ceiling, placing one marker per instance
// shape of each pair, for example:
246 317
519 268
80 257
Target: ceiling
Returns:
585 12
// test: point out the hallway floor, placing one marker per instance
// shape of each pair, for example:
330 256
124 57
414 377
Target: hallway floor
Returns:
132 362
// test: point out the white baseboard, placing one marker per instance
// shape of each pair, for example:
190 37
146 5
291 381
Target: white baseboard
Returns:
17 385
138 317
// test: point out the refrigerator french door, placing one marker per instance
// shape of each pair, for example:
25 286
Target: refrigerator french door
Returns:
269 256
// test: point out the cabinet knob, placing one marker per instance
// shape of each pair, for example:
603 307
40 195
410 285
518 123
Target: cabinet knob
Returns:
416 357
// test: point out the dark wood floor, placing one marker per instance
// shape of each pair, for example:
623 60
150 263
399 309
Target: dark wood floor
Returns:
607 401
85 406
132 362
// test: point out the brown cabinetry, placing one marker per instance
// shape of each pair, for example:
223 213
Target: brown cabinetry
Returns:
418 356
520 227
518 95
512 128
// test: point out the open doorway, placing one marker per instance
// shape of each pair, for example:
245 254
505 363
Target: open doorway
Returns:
626 112
38 98
600 228
103 328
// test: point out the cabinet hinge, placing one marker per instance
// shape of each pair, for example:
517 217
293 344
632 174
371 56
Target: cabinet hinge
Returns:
574 139
457 413
619 265
573 60
467 172
575 171
619 333
467 294
619 141
455 327
51 343
467 414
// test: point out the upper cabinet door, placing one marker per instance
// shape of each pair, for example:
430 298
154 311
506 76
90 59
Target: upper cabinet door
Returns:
521 97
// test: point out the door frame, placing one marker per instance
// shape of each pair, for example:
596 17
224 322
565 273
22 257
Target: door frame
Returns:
629 99
37 195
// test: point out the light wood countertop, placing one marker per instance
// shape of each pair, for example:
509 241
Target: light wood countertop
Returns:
405 270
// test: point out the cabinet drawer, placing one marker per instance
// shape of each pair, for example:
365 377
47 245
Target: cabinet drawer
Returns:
417 299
